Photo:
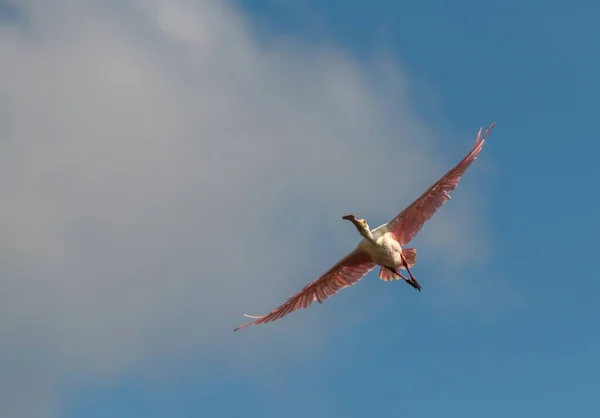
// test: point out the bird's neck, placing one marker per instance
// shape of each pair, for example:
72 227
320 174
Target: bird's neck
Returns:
367 234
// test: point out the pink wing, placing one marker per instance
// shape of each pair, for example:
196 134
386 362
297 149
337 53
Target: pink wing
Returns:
410 221
346 272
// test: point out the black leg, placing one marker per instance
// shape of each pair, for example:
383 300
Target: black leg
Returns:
397 273
392 270
413 282
406 265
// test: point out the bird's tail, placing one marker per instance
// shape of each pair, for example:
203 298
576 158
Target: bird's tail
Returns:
387 275
410 255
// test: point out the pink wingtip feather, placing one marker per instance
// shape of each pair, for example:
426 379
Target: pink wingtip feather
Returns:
249 323
253 316
487 131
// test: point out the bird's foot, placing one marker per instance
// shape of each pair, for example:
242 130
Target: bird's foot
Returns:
414 283
411 281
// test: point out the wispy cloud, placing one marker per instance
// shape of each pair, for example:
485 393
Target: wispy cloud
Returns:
162 172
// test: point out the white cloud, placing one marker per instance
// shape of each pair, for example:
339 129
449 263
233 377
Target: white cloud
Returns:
163 172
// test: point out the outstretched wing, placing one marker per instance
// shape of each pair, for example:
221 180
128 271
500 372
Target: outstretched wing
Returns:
346 272
410 221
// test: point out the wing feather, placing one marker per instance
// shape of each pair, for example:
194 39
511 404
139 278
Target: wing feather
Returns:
409 222
347 272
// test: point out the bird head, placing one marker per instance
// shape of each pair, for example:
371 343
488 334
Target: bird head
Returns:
361 225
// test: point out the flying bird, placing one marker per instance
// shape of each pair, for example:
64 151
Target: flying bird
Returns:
382 246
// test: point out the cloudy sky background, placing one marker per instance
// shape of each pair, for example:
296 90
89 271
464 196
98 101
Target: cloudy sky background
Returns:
167 166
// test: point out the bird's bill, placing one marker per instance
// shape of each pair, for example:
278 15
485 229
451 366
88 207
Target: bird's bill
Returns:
349 217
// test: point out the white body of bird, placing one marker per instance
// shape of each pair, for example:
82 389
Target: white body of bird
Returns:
384 249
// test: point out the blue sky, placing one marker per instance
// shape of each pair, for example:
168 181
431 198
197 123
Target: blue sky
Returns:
506 320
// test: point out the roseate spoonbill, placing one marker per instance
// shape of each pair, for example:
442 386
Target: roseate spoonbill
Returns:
381 246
